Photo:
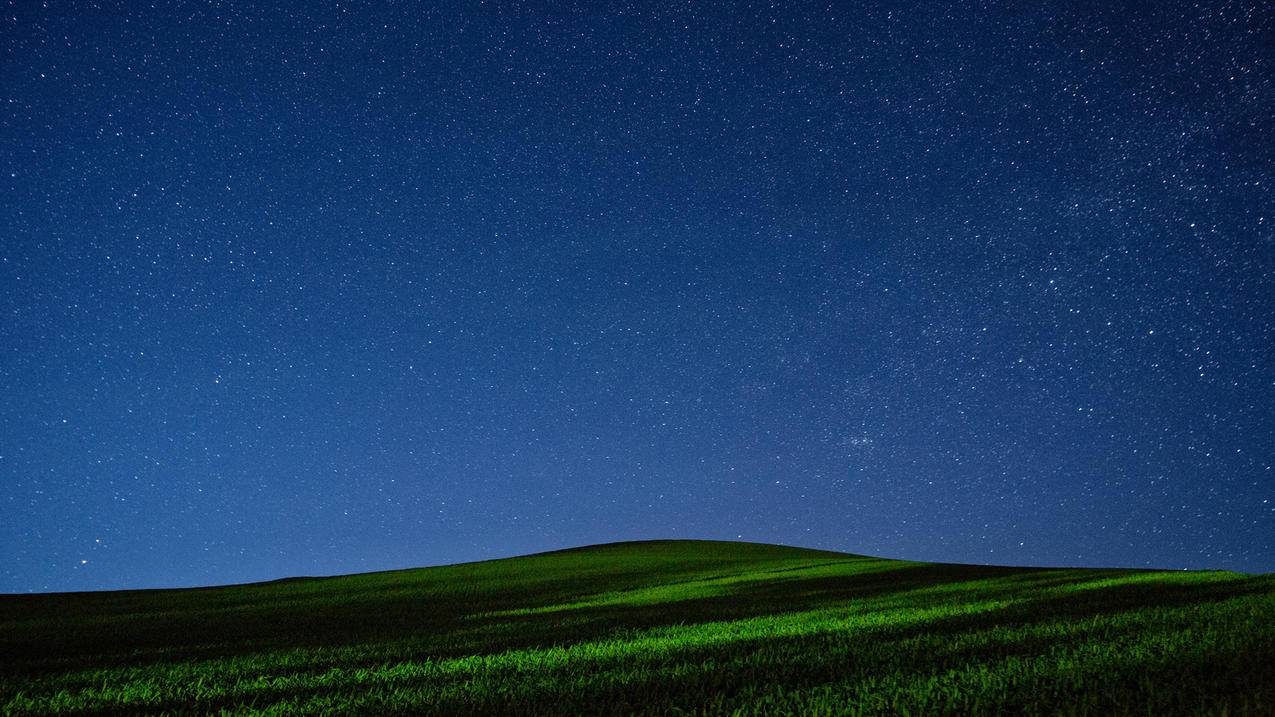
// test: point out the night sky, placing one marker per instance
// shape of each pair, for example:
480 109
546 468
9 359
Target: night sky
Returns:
348 287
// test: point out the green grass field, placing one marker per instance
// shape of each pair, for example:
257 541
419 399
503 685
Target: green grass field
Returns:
669 627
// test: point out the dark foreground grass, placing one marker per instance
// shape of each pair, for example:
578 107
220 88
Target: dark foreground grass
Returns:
662 627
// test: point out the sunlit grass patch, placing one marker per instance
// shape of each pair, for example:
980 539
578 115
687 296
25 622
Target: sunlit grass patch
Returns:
712 586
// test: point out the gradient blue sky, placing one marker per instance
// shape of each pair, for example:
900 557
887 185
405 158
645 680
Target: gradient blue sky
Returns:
313 287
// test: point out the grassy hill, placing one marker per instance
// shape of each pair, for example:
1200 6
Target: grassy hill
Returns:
662 627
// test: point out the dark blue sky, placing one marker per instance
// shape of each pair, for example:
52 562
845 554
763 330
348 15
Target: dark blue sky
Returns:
346 287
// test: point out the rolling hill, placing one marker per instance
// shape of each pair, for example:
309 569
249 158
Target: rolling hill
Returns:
657 627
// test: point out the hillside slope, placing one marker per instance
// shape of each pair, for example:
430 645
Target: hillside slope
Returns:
657 626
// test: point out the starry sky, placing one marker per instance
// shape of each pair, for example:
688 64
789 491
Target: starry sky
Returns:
307 288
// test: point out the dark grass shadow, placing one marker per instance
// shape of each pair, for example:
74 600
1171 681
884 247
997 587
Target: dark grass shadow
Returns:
69 630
